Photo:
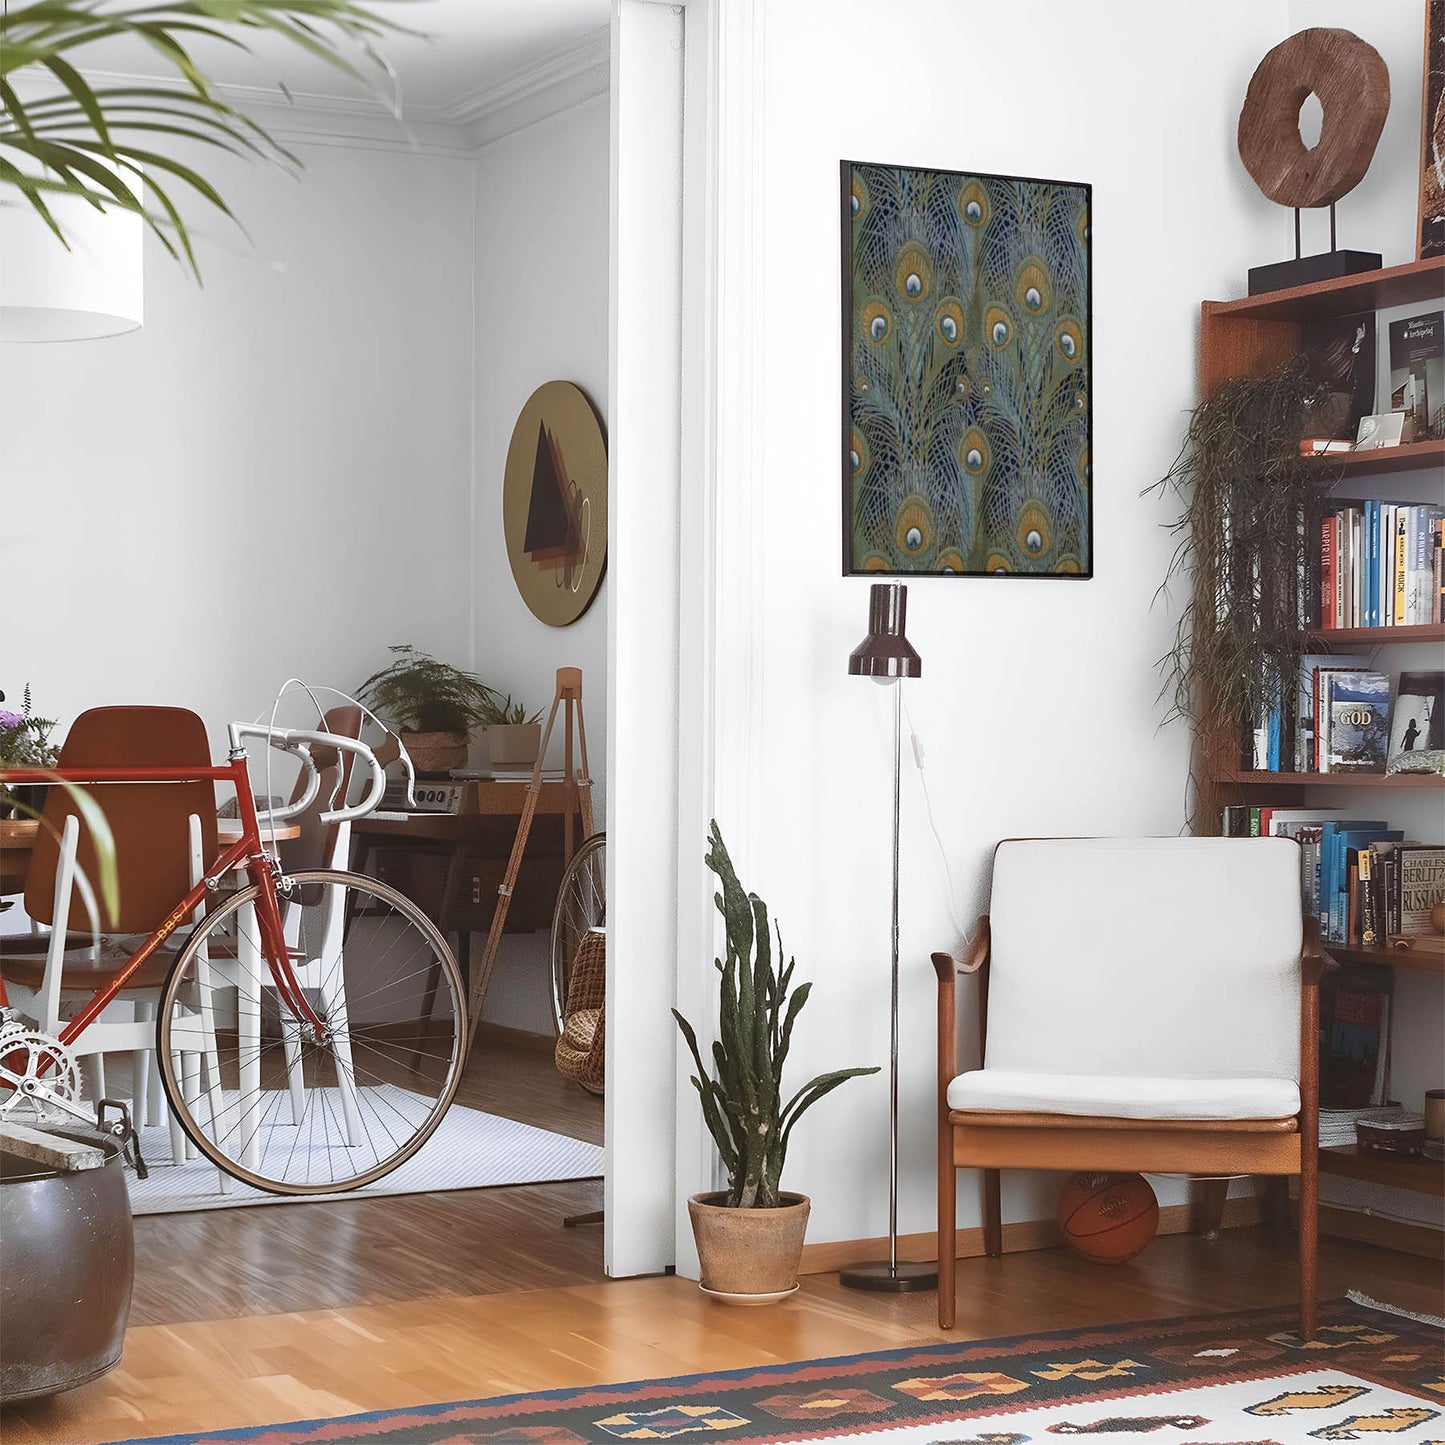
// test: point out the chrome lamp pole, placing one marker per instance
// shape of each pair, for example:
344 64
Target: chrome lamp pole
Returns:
887 657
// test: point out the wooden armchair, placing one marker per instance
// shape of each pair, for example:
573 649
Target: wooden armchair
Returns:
1145 1004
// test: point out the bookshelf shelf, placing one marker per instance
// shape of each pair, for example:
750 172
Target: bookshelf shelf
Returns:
1409 457
1378 636
1366 291
1245 779
1414 1172
1421 962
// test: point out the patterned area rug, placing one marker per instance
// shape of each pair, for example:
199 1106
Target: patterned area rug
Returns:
470 1150
1238 1379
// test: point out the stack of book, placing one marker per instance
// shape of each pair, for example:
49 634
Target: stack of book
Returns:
1337 1126
1377 564
1361 878
1347 718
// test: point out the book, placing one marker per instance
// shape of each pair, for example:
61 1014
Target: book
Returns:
1339 352
1417 369
1355 713
1397 605
1417 721
1311 665
1355 1038
1420 885
1420 589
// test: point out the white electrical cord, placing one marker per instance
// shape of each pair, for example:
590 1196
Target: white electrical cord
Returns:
916 747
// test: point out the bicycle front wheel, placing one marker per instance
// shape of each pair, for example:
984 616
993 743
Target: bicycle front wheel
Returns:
280 1104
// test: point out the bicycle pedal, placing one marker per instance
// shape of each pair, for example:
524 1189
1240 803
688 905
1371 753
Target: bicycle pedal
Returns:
125 1131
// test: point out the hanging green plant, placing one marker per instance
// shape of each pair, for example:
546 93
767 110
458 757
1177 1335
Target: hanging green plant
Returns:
1247 493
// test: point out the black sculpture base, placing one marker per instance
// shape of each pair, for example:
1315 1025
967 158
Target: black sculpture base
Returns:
1306 270
882 1278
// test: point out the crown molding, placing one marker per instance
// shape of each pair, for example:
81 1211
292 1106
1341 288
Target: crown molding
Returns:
558 81
566 78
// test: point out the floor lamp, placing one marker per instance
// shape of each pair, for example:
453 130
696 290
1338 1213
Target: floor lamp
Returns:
886 656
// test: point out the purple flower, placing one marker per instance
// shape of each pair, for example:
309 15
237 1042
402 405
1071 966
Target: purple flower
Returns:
11 719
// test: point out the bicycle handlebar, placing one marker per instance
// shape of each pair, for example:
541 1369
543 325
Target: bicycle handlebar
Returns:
300 741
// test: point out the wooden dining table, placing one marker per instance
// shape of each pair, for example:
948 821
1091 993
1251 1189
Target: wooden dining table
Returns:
18 835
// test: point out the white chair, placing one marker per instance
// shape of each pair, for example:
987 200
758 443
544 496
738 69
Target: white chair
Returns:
1144 1004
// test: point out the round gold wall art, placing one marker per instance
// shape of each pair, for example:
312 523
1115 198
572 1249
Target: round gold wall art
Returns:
554 503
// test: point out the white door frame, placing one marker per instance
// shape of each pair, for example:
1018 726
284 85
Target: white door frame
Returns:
683 623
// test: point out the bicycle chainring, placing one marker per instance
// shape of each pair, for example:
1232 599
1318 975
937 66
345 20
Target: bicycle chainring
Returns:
28 1054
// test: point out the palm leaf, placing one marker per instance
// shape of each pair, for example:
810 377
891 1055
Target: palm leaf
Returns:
60 139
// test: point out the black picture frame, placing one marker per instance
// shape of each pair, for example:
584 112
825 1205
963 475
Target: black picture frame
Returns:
1068 546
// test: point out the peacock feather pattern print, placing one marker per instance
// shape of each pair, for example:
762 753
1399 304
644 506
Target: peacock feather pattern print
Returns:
968 363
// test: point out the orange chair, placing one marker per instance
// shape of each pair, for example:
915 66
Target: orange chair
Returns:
163 835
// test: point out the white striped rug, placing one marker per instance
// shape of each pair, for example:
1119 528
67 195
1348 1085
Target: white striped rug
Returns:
470 1150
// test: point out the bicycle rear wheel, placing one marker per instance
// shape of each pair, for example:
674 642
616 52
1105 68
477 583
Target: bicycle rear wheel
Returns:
581 905
276 1103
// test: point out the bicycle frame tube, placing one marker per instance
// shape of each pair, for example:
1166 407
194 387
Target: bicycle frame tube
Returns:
247 849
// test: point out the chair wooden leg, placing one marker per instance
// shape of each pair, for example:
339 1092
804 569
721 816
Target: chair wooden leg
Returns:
1276 1205
947 1223
1308 1244
1206 1198
992 1214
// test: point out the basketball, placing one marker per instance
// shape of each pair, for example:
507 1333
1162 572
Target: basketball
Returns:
1108 1217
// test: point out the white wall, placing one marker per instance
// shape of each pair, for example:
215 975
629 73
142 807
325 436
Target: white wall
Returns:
541 278
1038 702
303 420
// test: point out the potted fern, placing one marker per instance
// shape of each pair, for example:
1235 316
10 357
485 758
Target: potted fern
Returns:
750 1235
434 704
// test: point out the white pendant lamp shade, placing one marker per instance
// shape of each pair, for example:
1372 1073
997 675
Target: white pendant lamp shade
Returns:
48 293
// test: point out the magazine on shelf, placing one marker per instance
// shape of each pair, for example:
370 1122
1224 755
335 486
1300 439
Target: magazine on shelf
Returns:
1417 721
1417 369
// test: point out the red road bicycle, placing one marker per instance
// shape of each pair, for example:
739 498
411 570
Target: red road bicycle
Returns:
311 1028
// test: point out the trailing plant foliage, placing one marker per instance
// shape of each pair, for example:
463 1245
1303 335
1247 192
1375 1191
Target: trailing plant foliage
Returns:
96 142
742 1101
1242 538
417 692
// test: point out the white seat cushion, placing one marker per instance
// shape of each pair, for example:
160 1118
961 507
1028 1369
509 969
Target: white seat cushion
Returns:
1119 1097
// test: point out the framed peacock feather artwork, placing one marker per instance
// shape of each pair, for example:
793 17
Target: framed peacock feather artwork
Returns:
967 420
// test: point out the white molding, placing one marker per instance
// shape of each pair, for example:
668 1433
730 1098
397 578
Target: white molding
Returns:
588 59
562 80
723 596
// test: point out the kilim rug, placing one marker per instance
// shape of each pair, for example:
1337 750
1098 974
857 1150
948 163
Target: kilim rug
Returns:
1237 1379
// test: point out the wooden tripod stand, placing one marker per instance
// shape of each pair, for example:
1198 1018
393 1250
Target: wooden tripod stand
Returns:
577 781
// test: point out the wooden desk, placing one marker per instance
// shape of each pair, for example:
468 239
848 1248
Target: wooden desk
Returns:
451 864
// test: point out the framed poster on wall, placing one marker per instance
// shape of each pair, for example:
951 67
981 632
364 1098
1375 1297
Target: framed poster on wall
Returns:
967 420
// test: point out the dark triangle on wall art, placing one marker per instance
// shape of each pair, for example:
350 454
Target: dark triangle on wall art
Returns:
552 538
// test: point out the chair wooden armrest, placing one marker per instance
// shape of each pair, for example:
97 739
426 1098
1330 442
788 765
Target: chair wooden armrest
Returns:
948 968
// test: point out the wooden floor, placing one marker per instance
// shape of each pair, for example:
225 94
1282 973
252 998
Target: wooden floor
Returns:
266 1369
256 1316
225 1263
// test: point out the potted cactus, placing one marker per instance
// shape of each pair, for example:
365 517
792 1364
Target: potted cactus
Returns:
750 1236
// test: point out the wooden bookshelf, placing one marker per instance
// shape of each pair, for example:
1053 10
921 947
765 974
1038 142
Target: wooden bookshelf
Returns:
1423 961
1409 457
1365 291
1377 636
1407 1171
1248 779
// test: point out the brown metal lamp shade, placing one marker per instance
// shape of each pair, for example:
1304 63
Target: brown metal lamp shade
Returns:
886 652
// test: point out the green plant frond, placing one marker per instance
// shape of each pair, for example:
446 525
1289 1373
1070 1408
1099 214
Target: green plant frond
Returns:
85 97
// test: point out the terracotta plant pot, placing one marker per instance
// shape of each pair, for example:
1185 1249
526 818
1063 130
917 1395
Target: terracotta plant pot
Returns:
513 745
434 755
749 1256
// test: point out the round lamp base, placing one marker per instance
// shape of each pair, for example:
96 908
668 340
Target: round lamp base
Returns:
882 1278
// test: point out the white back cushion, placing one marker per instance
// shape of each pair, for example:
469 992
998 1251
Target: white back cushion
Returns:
1169 957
